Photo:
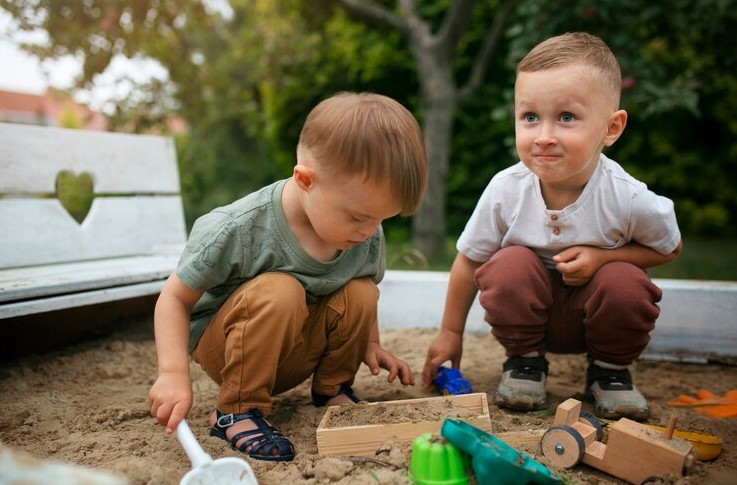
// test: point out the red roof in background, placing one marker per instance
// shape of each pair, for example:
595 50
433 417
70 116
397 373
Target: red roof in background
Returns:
46 109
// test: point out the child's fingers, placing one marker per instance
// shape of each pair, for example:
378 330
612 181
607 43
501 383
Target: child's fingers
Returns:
393 371
372 363
430 369
162 413
177 415
405 374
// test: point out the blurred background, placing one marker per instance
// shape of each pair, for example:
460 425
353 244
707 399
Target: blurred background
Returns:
233 80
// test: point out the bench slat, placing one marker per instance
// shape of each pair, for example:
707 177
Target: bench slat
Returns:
40 231
118 163
19 309
56 279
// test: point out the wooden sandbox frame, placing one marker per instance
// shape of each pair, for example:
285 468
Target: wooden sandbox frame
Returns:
365 439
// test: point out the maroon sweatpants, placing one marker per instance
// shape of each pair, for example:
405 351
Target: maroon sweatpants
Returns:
530 309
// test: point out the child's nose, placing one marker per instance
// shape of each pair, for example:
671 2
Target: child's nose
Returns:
367 229
545 135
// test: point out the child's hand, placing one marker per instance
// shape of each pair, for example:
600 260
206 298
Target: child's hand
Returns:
377 357
446 346
578 264
170 399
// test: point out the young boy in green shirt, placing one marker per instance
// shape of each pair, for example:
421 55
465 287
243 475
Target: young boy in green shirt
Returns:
281 285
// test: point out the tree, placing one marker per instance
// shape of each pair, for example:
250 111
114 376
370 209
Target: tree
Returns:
244 82
434 51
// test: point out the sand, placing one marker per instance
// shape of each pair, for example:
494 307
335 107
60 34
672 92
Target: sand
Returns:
86 405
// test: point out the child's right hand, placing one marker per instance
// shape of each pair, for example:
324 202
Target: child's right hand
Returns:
170 399
446 346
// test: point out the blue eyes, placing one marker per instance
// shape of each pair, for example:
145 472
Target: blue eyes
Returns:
533 118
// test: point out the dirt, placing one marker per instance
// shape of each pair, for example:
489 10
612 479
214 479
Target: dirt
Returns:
86 405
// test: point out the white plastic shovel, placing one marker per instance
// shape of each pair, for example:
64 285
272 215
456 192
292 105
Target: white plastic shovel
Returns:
205 470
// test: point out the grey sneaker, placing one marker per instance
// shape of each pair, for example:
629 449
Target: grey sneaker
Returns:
614 394
522 387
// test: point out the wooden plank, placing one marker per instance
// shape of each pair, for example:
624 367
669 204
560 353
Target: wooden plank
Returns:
42 281
364 440
118 163
521 438
74 300
40 231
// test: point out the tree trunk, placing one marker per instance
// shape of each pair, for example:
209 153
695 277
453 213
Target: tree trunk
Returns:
438 107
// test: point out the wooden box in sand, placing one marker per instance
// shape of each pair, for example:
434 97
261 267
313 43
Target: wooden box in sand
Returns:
389 419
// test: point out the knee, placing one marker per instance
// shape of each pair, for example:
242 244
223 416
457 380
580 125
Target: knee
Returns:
509 270
361 294
274 293
508 265
625 284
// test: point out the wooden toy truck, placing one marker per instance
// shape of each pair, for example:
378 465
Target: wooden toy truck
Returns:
634 452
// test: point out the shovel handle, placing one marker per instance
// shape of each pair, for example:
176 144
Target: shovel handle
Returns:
194 451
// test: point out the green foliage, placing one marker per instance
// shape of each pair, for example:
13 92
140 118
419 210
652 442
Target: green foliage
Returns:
245 83
677 56
702 259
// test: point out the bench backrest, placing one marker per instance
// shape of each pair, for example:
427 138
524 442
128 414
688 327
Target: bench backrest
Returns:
136 208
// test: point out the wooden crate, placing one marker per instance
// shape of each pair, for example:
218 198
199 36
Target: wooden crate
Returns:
364 440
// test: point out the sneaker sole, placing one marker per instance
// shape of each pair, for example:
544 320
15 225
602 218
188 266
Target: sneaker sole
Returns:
629 412
520 402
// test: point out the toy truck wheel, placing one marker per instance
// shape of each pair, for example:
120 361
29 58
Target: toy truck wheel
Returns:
590 419
563 446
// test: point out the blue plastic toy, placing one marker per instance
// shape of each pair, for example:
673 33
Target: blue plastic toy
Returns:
451 382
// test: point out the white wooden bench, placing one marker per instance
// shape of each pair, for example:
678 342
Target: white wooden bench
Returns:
125 246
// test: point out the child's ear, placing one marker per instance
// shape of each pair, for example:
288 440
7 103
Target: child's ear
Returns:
617 122
304 176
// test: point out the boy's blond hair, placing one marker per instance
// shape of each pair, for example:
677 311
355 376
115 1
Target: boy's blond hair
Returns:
576 48
372 136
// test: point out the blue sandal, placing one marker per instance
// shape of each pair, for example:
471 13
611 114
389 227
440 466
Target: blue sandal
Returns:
320 400
265 438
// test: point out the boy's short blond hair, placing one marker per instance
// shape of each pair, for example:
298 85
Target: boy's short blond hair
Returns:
372 136
576 48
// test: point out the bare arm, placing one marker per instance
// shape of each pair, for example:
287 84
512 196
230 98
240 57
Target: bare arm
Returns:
458 300
579 263
170 397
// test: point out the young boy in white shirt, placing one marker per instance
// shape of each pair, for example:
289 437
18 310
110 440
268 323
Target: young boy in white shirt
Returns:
559 243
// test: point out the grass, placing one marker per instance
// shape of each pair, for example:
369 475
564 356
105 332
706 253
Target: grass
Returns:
701 259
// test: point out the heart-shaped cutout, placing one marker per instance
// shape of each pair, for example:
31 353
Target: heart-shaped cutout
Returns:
75 192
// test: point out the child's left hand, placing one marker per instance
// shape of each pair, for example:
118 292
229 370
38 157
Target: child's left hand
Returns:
577 264
378 357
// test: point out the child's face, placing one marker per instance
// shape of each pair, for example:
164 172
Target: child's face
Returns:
346 210
563 119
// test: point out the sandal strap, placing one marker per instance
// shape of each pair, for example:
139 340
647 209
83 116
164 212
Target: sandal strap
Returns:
262 441
228 420
320 400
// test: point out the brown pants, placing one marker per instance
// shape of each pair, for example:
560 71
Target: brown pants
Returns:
530 308
266 339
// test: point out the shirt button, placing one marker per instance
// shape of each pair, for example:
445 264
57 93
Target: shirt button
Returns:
554 217
556 231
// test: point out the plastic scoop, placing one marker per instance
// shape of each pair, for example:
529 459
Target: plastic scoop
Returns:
494 462
205 470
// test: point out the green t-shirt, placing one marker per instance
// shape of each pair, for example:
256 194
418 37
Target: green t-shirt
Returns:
232 244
